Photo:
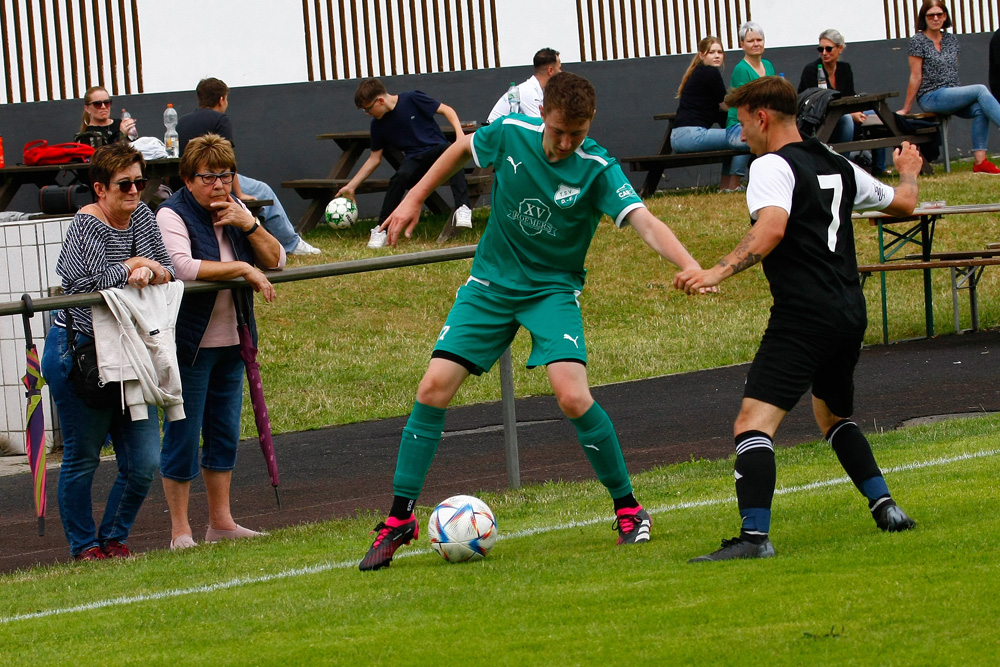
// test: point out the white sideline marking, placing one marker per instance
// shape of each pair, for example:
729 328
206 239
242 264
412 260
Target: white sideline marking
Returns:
342 565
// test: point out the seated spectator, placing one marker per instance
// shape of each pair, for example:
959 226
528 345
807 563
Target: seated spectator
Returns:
211 118
113 242
406 122
752 66
546 63
97 117
934 83
838 76
701 105
210 235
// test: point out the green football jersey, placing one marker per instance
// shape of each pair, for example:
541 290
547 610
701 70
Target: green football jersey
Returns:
544 214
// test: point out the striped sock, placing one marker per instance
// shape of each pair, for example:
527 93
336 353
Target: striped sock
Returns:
755 479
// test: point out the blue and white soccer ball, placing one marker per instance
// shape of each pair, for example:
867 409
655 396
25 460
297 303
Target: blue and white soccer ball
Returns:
462 528
341 213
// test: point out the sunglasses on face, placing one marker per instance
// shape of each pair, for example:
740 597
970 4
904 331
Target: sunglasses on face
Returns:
209 179
100 103
935 15
126 186
825 49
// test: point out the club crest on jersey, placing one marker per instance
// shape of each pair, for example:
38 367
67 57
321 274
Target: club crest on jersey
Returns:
533 217
566 196
626 191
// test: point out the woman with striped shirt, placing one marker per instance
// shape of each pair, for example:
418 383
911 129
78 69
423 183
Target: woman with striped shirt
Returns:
110 243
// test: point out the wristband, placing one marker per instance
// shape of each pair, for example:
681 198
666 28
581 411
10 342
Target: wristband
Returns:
256 226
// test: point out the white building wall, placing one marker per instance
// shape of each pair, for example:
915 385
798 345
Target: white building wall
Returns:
799 23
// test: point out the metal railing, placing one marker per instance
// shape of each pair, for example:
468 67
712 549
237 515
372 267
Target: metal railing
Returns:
325 271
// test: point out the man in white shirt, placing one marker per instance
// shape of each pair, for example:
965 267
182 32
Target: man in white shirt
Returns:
546 63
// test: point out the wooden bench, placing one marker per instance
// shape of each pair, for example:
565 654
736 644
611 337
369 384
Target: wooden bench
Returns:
966 270
942 120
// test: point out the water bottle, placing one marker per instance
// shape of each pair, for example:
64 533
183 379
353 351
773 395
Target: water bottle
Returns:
170 137
821 76
514 98
133 134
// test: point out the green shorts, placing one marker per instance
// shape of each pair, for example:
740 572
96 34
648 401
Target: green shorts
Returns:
484 320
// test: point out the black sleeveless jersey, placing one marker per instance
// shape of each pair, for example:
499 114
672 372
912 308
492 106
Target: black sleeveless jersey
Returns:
813 272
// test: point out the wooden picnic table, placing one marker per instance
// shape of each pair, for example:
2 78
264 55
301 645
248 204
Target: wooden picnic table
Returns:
921 234
13 177
655 164
353 145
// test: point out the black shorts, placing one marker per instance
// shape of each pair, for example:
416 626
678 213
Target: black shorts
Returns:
789 362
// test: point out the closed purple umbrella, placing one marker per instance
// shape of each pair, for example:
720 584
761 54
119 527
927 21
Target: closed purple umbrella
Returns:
248 351
34 433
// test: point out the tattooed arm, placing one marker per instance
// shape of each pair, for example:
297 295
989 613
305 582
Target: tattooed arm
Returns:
762 238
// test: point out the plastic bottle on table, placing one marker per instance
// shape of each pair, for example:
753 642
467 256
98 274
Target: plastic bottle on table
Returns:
821 76
514 98
133 133
170 137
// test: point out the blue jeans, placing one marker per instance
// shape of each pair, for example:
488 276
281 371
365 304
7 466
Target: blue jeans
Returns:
740 162
85 430
276 221
691 139
975 102
213 400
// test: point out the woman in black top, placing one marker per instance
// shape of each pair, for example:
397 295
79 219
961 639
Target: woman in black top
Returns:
97 117
837 75
701 93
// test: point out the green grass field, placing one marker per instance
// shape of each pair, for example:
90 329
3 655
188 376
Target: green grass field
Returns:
557 589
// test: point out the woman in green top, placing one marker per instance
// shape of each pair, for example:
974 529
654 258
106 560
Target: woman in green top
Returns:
753 66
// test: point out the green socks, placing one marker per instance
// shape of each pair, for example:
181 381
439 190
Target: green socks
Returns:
600 444
417 447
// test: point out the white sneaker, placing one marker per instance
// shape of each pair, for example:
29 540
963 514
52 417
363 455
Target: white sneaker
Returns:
378 239
463 217
304 248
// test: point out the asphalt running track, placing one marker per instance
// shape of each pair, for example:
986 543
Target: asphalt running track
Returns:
340 470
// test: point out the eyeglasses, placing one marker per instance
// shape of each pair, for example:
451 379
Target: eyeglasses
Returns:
126 186
368 109
936 15
825 49
100 103
209 179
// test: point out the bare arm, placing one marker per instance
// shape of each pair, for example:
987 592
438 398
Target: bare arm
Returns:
758 243
453 120
366 170
407 214
661 238
907 161
916 76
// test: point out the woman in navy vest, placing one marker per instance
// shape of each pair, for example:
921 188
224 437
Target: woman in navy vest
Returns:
210 236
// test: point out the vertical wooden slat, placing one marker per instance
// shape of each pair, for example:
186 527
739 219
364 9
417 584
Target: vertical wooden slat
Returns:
484 35
729 25
33 51
60 62
579 31
404 47
471 13
623 21
112 43
20 50
343 40
888 24
604 36
46 58
696 10
677 30
437 33
331 42
613 29
427 39
6 52
645 30
451 39
906 19
389 31
496 34
85 33
95 13
460 22
74 72
366 46
308 36
656 25
710 25
138 46
317 33
126 51
687 27
415 25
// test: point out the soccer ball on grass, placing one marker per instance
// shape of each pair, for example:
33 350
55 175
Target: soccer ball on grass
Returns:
462 528
341 213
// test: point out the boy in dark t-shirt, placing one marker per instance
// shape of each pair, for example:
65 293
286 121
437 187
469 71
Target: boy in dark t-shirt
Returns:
801 195
406 122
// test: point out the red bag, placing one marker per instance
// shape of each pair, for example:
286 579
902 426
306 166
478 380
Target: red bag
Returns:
39 152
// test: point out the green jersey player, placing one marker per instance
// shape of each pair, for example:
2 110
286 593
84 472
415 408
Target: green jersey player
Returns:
552 187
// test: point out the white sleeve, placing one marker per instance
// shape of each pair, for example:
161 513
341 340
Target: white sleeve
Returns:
529 99
872 193
500 109
771 184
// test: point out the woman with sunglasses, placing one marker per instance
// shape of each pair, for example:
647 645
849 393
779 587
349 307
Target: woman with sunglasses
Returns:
110 243
97 116
934 83
210 235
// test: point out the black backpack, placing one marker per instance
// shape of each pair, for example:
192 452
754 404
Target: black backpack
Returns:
812 109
